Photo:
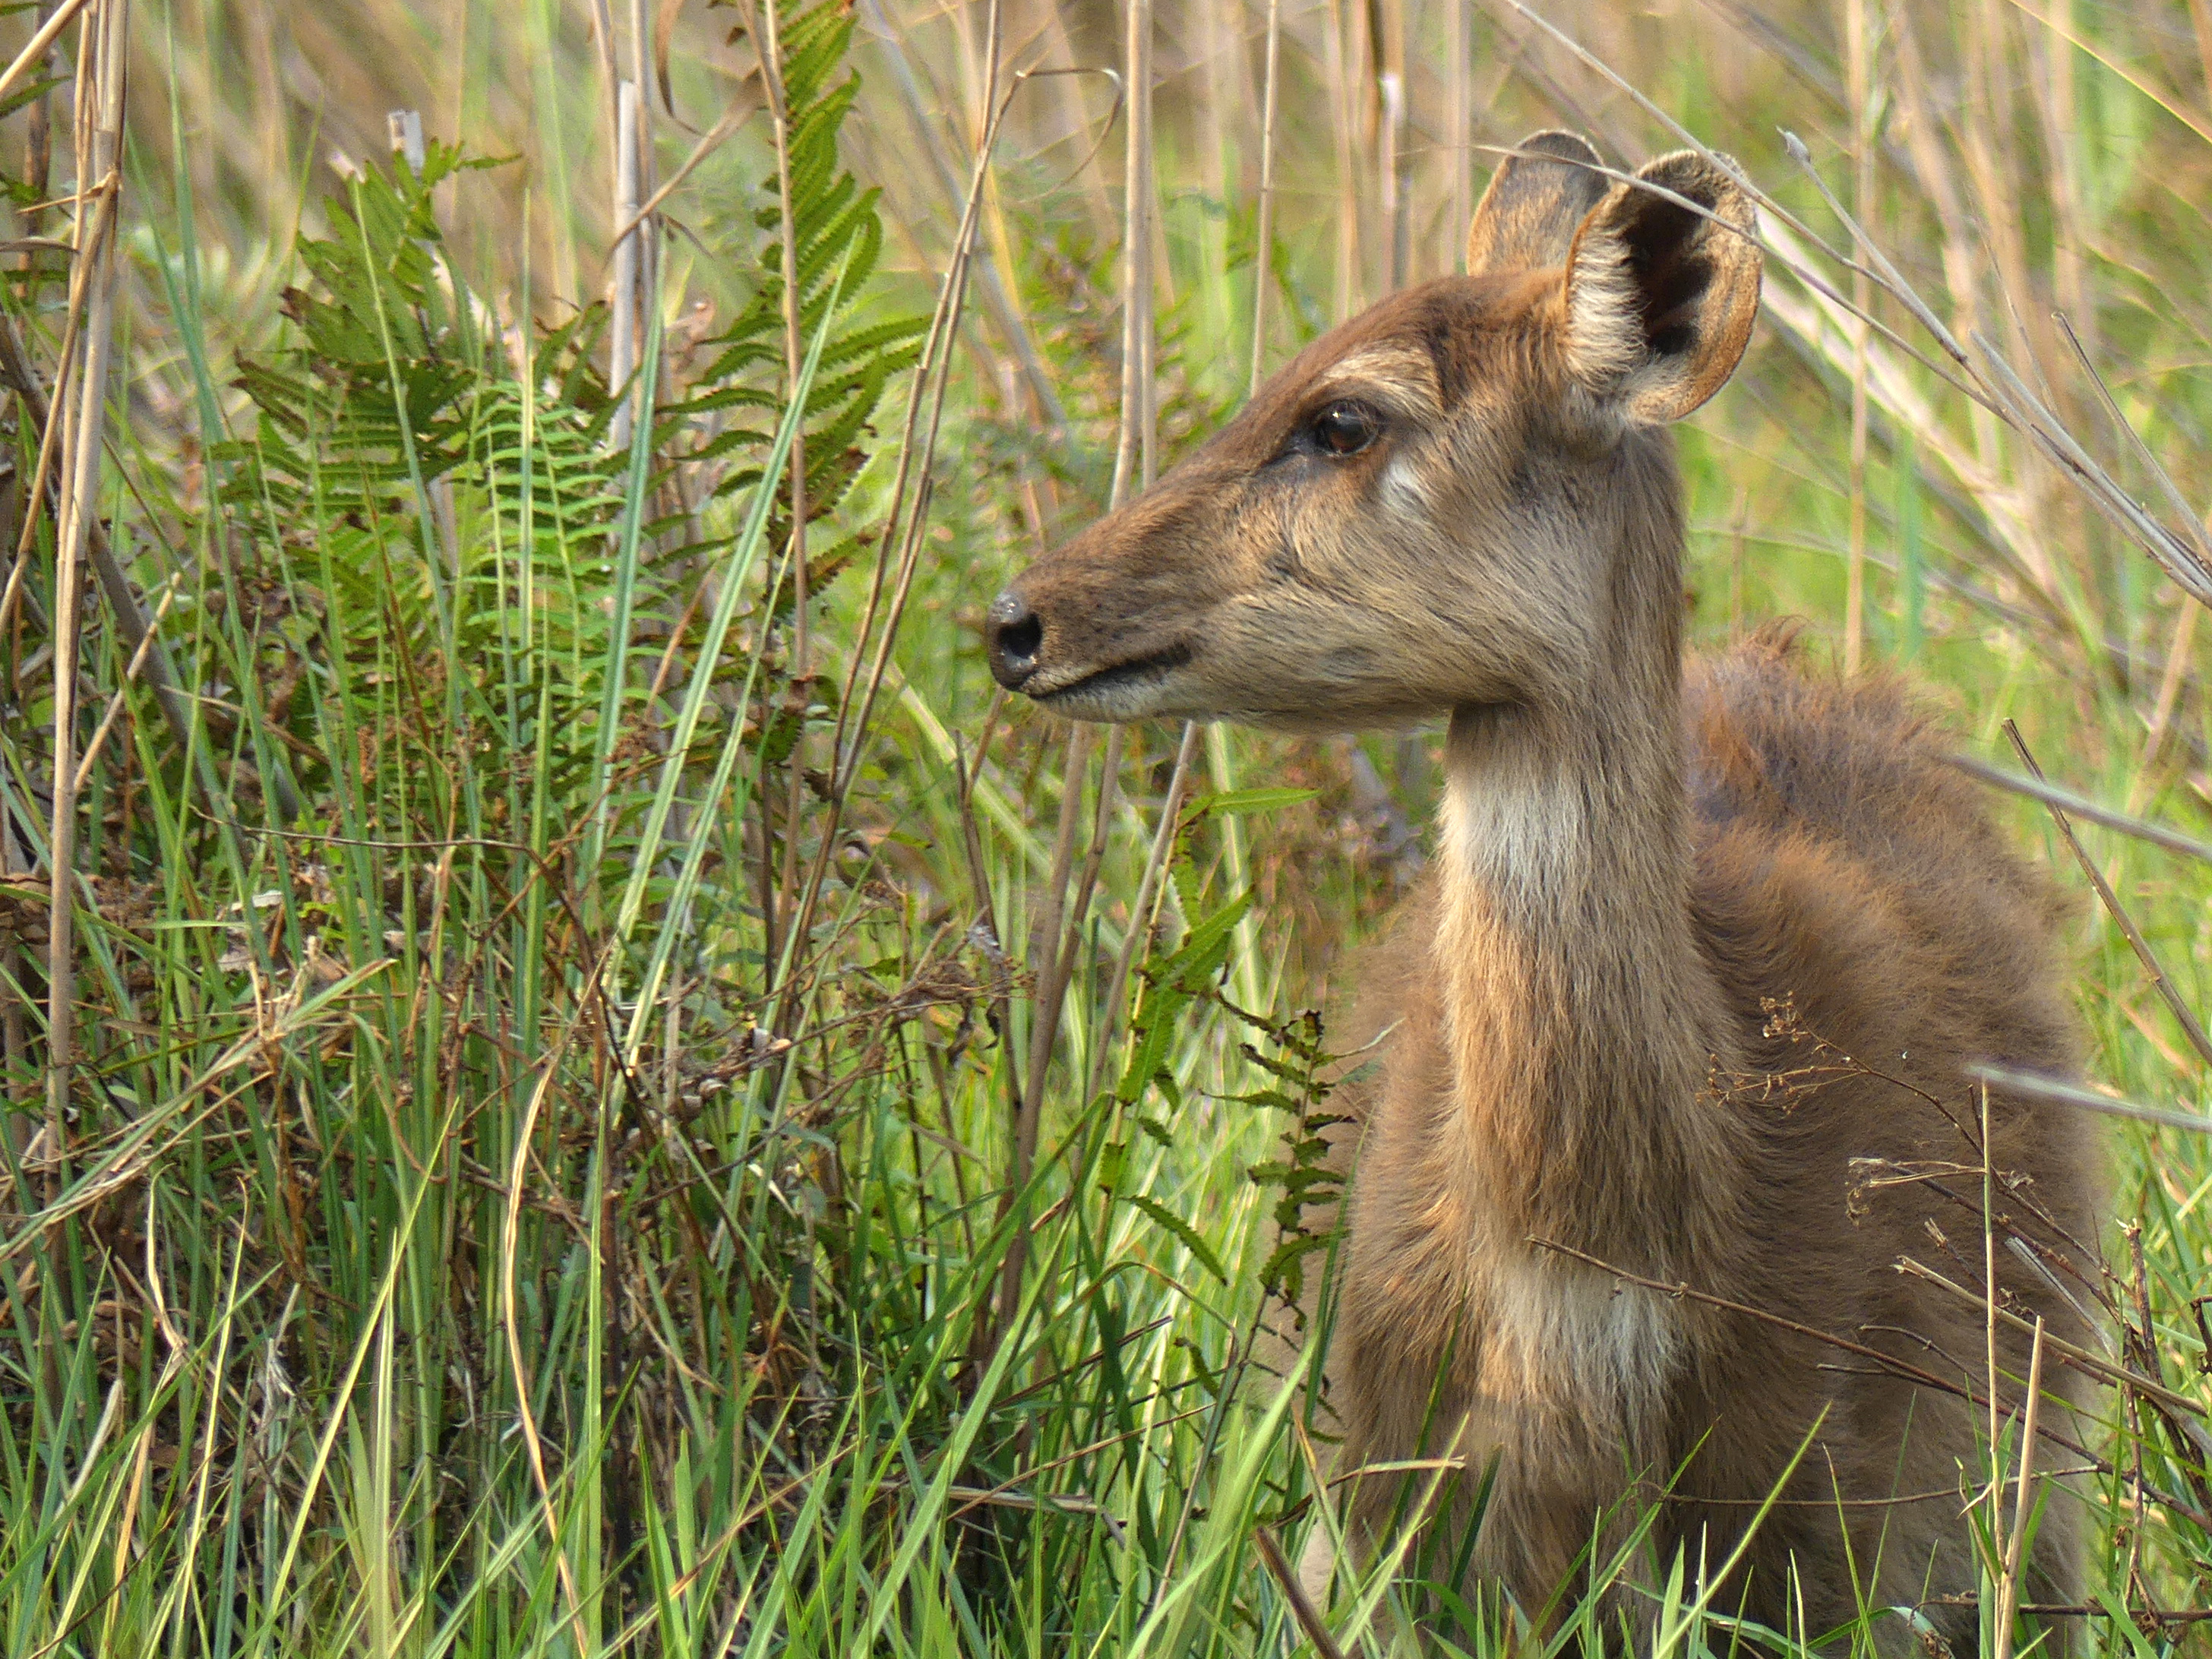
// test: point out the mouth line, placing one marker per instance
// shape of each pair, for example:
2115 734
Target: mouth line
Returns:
1116 674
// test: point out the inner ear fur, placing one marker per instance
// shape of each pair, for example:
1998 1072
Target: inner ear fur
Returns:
1660 298
1527 218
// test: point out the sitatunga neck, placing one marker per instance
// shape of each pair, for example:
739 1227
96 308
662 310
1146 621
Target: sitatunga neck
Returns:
1581 1019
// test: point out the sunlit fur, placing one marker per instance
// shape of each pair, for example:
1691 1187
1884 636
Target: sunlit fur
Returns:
1696 939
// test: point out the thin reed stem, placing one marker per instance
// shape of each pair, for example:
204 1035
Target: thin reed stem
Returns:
2015 1547
1133 443
1263 245
1459 82
103 45
1859 53
622 333
1337 68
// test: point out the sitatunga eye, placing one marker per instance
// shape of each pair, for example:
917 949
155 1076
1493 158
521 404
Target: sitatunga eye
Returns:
1345 428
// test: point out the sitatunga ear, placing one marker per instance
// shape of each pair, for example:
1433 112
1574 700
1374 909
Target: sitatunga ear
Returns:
1661 296
1527 218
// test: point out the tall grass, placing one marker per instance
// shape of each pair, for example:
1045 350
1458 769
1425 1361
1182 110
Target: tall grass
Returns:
617 1098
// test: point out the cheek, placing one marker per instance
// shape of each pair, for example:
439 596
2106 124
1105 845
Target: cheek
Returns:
1327 530
1292 635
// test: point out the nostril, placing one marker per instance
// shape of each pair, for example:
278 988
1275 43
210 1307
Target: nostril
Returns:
1016 634
1018 641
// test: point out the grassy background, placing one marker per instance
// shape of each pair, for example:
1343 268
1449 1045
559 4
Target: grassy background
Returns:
481 1217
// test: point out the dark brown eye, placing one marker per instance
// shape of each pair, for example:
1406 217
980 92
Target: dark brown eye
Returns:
1345 428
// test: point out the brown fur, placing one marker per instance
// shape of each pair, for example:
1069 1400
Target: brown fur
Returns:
1657 892
1835 862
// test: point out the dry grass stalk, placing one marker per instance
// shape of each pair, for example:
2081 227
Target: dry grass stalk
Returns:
2076 1358
1990 1315
46 481
40 44
900 544
2178 652
1395 185
1338 72
642 72
131 619
1459 82
1263 252
922 108
2061 27
1302 1608
39 143
713 139
405 129
1220 763
101 55
898 549
1936 177
510 1244
2015 1550
2082 806
2037 1086
622 344
2200 21
1859 50
1134 445
140 656
2192 532
1044 1012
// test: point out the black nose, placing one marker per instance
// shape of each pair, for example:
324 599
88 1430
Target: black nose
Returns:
1015 634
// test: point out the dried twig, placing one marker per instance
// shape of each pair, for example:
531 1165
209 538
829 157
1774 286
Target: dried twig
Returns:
2079 1357
732 117
2082 807
2075 1610
2073 1094
1302 1606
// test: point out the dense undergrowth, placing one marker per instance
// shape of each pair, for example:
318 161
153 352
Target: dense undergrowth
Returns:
622 1101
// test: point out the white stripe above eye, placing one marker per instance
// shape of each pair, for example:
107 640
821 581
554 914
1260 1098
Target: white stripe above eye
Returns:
1395 374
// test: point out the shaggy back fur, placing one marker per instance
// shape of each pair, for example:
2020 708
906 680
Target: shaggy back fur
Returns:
1691 995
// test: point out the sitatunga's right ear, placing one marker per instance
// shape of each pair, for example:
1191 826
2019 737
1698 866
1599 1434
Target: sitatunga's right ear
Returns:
1662 288
1527 218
